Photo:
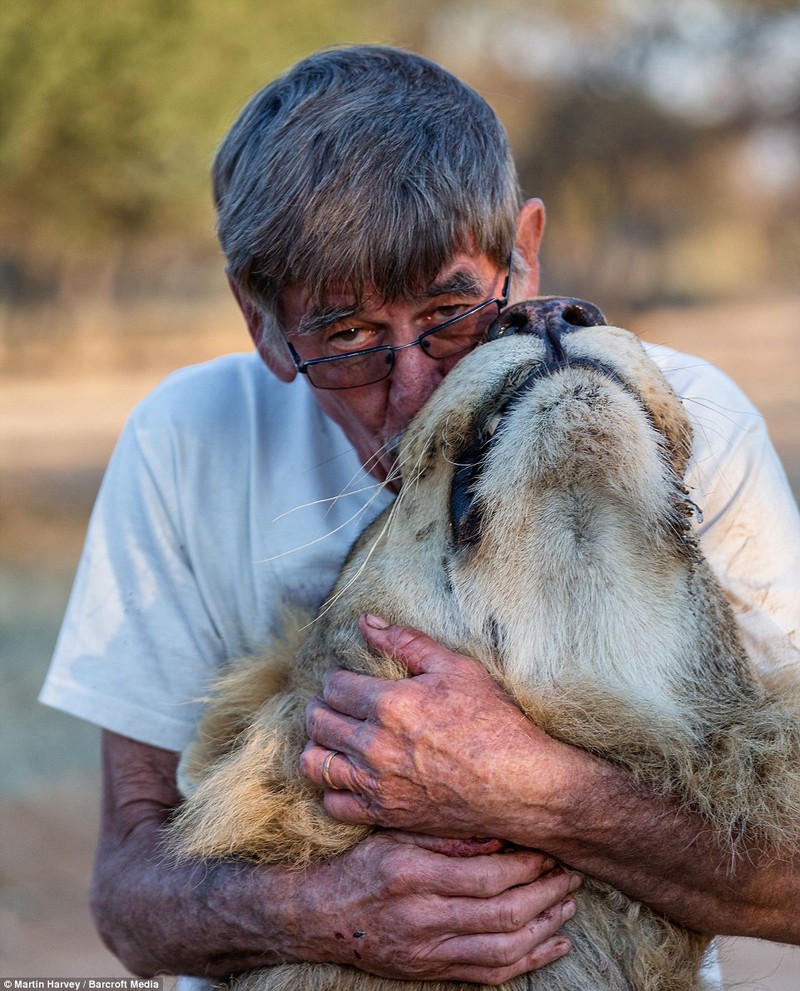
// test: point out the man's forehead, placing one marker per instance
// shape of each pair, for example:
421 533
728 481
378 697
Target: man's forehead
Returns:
462 274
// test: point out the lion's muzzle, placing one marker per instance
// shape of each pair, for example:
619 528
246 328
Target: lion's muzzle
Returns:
549 317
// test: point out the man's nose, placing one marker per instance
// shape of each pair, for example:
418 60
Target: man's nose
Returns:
414 377
548 317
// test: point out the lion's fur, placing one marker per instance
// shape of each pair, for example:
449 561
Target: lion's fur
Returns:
581 587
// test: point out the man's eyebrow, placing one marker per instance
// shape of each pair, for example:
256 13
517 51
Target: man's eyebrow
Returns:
458 283
326 316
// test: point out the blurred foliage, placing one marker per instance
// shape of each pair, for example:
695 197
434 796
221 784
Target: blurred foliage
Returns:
111 112
664 138
108 108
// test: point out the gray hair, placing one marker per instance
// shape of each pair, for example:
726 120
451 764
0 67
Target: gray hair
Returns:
365 168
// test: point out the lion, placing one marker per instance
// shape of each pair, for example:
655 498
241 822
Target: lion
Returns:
543 527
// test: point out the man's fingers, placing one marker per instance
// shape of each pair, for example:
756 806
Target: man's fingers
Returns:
540 906
331 730
418 652
548 952
342 782
507 949
352 694
328 768
508 953
488 876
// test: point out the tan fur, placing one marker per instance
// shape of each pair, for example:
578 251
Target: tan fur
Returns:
579 585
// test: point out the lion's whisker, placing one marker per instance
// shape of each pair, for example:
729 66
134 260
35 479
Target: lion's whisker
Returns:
379 487
376 486
340 592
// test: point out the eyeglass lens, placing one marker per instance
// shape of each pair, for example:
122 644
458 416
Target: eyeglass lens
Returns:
366 367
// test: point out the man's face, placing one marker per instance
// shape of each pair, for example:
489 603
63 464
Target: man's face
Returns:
374 416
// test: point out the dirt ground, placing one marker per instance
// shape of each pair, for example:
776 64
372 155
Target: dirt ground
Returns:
56 432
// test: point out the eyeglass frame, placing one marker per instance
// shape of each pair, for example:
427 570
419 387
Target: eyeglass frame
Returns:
389 349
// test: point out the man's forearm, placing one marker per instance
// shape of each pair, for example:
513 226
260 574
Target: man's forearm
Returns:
161 917
186 919
670 858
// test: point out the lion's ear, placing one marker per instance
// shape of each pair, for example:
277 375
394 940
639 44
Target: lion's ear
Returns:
530 230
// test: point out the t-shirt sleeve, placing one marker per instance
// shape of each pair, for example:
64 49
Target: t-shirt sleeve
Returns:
750 531
138 645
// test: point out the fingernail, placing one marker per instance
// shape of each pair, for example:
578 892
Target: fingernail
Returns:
568 908
575 882
376 622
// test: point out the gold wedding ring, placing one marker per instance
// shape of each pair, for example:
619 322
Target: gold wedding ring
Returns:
326 769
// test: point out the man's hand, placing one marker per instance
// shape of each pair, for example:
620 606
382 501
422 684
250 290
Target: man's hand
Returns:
433 753
395 908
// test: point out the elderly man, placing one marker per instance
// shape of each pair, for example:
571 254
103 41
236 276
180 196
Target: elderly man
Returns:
372 224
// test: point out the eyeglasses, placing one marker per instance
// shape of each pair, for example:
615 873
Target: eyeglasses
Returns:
446 340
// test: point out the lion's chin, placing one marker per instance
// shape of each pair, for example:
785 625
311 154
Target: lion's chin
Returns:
545 375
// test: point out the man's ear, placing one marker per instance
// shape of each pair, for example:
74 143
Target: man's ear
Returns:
281 366
530 229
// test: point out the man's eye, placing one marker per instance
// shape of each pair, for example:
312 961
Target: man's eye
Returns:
351 339
448 312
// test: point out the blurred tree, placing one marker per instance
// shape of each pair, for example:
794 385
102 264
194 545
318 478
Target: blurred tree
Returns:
111 112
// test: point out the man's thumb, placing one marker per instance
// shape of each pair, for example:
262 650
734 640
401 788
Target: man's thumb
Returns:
411 647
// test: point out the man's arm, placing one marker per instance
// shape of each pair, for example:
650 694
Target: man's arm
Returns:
446 752
417 913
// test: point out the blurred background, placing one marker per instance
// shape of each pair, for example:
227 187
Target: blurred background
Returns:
664 139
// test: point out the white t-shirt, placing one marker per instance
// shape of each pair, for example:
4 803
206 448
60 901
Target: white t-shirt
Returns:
223 498
230 492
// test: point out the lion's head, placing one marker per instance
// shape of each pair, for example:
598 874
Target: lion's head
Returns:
545 475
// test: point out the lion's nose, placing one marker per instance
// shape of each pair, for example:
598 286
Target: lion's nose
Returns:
548 316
